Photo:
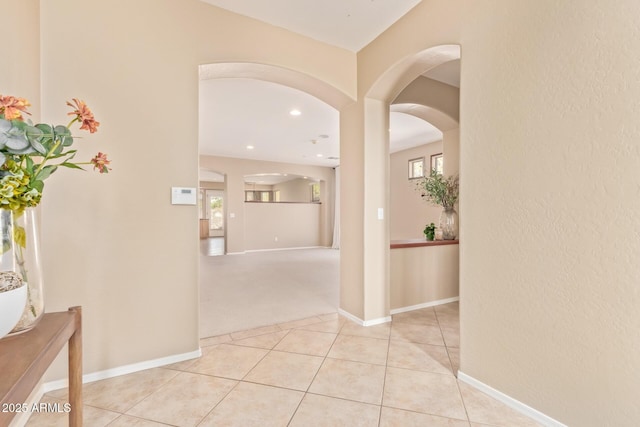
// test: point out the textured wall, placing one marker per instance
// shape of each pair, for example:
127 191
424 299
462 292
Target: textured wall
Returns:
551 242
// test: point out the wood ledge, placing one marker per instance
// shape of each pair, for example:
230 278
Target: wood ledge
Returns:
418 243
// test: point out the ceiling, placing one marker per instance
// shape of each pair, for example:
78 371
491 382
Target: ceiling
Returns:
238 113
349 24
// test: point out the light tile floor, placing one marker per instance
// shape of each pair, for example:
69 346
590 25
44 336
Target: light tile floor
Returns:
320 371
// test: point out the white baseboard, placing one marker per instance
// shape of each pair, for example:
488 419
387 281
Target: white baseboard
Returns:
287 249
364 322
123 370
425 305
510 402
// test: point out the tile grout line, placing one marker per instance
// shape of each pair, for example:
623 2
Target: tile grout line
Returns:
464 405
386 366
306 392
238 382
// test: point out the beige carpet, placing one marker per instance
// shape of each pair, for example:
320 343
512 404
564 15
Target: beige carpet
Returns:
239 292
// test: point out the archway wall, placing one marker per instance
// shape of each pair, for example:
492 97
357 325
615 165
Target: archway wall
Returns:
548 142
141 81
433 94
385 68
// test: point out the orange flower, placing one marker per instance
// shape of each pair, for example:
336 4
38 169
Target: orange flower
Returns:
101 162
13 107
84 115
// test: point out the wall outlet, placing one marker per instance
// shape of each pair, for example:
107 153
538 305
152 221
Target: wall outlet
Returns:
276 239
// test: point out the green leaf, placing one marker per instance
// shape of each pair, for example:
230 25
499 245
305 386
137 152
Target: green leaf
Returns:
46 129
46 172
29 165
38 185
70 153
71 166
63 135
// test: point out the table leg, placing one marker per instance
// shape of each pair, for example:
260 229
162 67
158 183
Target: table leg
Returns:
75 371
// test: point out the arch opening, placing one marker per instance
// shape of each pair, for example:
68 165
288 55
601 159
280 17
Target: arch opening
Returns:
254 228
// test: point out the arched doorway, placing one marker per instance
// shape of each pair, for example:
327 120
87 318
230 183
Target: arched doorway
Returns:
245 178
376 107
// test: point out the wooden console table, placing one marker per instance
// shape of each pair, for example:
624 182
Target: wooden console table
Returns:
25 357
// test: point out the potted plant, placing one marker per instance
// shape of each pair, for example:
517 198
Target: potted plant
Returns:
442 191
29 154
430 231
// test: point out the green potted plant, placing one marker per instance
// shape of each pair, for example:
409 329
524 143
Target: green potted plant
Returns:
443 191
430 231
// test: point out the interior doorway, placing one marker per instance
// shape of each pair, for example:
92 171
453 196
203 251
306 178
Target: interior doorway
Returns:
213 229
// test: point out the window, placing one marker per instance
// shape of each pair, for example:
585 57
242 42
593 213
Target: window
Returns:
437 163
416 168
258 196
315 192
216 216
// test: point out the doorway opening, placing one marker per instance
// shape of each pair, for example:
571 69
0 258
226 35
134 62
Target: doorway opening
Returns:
212 214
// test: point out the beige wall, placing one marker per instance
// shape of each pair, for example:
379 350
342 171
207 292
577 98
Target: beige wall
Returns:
437 95
548 147
141 81
236 169
408 212
282 225
212 185
19 73
423 274
296 190
549 158
549 141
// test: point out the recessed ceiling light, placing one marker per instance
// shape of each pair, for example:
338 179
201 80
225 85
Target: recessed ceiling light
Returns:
295 112
250 147
318 155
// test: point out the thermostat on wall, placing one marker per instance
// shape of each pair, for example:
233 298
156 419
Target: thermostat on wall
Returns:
183 196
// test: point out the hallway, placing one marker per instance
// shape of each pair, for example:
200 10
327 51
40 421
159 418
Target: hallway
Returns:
319 371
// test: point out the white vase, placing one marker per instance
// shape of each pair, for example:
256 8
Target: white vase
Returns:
12 304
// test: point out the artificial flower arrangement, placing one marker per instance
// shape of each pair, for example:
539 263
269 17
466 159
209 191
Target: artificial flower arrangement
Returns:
30 153
438 190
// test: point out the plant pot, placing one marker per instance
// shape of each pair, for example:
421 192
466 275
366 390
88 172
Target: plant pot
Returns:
12 304
449 223
20 253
